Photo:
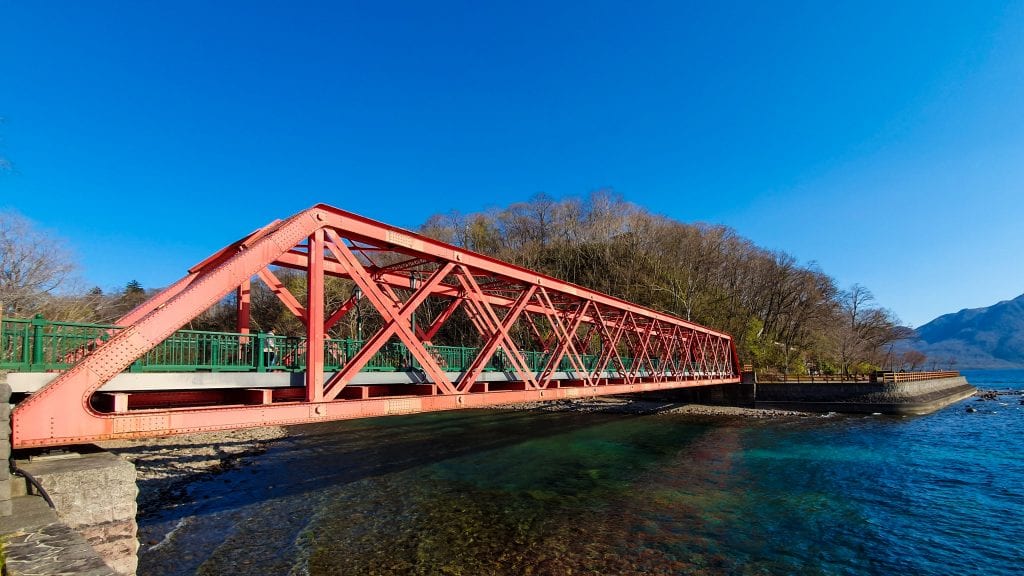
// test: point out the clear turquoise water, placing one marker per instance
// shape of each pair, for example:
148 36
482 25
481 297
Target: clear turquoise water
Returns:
493 492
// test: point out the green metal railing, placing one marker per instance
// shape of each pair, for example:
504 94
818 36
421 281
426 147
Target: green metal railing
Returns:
193 350
39 345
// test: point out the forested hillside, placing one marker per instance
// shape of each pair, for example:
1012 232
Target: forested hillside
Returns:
783 314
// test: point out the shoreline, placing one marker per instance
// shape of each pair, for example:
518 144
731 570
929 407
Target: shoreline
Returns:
619 405
165 467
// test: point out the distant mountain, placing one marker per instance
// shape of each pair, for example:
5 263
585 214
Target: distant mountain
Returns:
990 337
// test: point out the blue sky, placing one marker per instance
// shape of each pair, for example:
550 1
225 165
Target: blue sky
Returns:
884 141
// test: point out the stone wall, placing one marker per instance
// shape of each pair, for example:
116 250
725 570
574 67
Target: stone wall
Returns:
94 494
36 543
5 448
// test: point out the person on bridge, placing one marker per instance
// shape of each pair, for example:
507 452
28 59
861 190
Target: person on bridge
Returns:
270 349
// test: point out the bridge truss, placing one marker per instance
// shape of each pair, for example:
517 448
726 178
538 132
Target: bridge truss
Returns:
396 272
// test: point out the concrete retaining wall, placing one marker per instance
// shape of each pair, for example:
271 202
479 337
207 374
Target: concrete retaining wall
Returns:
921 397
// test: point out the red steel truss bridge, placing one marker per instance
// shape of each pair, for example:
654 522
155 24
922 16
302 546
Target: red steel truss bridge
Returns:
582 343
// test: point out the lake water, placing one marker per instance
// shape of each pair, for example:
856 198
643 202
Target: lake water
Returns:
499 492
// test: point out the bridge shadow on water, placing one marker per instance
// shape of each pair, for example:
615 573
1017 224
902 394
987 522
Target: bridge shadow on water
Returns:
261 513
315 457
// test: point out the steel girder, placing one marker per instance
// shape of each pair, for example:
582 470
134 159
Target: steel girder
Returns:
565 321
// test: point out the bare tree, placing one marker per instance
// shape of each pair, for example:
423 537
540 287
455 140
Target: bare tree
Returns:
33 265
913 359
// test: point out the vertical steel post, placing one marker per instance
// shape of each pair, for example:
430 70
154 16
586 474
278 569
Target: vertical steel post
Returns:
242 300
242 319
315 319
413 285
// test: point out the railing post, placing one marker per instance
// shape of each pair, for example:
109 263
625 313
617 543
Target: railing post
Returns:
37 340
260 343
26 345
214 354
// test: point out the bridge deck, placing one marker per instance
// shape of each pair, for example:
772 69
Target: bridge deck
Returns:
30 382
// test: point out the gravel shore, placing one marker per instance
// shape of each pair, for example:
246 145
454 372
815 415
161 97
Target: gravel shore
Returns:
617 405
165 466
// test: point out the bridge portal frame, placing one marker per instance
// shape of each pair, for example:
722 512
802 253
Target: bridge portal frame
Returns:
324 241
